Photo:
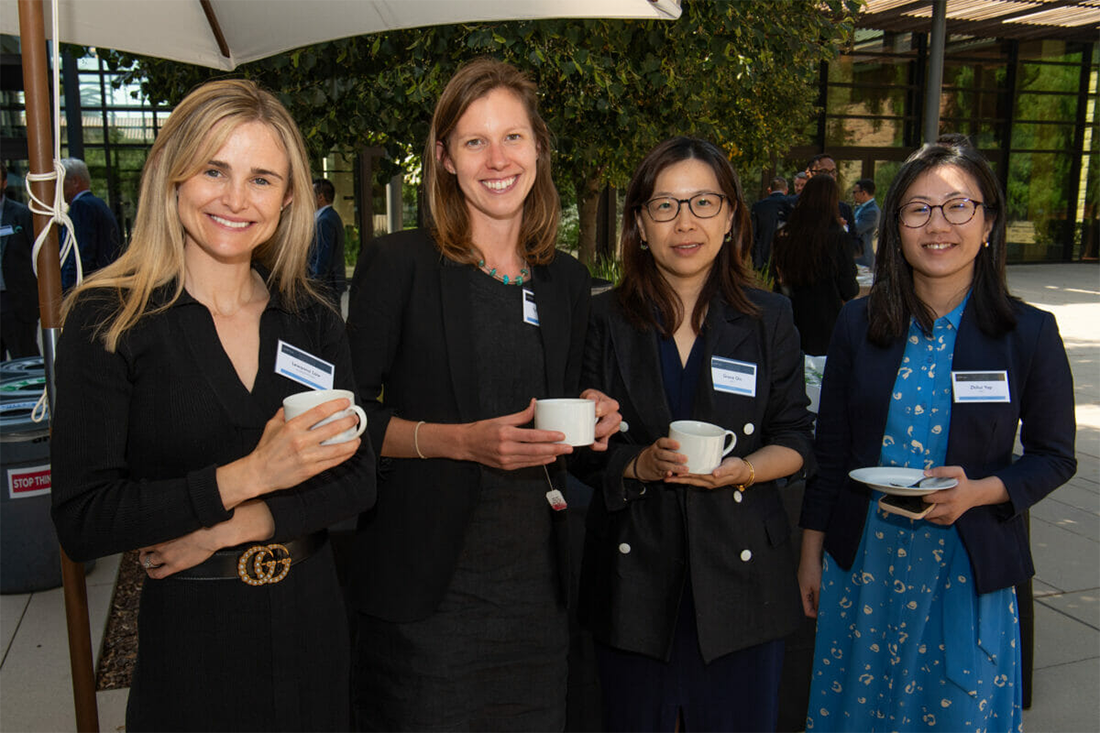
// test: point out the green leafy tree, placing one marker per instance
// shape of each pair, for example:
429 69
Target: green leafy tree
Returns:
742 74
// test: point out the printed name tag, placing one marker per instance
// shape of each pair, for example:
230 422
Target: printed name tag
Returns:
303 367
530 312
980 386
736 377
7 230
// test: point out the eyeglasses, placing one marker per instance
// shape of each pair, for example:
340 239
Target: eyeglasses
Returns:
916 214
666 208
823 172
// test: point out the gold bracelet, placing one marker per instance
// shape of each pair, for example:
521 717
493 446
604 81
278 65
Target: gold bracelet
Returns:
416 439
752 476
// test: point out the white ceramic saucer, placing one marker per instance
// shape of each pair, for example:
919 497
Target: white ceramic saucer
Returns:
884 479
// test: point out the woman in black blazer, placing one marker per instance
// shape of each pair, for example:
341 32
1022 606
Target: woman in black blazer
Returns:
688 582
460 575
813 263
917 621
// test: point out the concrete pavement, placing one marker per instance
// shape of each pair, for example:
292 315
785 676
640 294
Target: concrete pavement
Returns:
35 691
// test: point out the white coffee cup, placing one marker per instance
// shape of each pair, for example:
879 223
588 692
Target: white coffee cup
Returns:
574 417
296 404
704 444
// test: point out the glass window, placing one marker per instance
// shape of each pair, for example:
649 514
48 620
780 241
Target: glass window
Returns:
1038 206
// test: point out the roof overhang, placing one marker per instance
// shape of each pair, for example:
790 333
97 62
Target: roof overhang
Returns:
1065 20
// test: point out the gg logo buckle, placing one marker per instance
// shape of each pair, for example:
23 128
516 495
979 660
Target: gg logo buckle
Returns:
264 561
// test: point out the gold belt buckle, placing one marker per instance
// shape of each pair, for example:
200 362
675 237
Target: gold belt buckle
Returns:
264 561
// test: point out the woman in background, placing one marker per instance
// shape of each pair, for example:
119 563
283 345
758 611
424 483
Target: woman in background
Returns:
460 584
813 263
688 583
169 434
917 625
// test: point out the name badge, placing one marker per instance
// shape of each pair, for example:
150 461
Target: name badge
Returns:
980 386
530 311
7 230
736 377
303 367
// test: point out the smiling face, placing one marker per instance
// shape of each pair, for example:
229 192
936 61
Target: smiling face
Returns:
939 252
232 205
493 154
685 247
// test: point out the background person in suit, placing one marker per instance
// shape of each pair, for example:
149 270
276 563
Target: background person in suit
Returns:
916 618
94 225
688 582
799 180
462 567
326 258
767 214
867 216
18 286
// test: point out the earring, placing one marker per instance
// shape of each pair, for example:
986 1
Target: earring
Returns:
644 246
986 244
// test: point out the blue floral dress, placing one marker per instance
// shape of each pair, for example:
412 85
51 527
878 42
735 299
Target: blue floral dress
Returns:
903 640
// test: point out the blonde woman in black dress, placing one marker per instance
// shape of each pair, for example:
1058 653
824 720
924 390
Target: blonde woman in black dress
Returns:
169 435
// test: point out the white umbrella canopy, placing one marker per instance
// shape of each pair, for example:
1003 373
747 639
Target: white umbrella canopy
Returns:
226 33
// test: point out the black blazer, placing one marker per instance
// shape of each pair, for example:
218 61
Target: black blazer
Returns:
642 540
326 261
767 214
410 328
97 235
855 399
19 279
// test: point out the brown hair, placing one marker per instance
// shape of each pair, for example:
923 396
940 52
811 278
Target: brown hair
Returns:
646 297
801 249
198 127
450 219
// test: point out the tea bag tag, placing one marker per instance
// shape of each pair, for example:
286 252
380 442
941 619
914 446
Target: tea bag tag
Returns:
557 501
530 310
303 367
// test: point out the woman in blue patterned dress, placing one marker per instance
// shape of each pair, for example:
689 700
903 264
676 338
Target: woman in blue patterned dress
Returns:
917 626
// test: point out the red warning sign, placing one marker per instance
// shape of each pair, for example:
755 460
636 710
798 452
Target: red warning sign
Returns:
29 481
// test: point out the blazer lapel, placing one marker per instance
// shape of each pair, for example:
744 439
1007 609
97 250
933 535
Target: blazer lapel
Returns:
454 292
552 302
726 329
640 366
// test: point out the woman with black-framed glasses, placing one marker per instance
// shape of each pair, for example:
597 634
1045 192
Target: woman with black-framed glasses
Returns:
688 582
917 624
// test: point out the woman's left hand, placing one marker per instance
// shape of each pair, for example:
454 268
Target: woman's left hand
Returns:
730 472
607 414
950 504
170 557
251 522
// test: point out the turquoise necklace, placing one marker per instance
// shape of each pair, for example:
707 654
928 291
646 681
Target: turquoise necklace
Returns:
524 274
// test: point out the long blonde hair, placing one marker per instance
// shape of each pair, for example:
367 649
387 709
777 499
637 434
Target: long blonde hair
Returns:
446 202
195 131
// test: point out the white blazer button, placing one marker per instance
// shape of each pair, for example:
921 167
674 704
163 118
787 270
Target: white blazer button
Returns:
624 548
746 555
749 428
738 496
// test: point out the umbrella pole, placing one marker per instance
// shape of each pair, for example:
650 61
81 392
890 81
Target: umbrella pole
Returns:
40 145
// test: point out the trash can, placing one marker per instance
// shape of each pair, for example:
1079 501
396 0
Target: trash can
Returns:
30 559
21 367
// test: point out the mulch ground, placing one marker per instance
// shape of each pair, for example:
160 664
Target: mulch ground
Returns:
120 640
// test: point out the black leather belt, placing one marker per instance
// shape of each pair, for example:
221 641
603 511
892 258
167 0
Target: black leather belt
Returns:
260 564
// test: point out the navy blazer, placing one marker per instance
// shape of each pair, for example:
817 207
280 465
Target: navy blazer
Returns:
97 237
326 259
855 399
643 540
410 327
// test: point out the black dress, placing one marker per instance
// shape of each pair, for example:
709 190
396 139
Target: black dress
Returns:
138 435
493 654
